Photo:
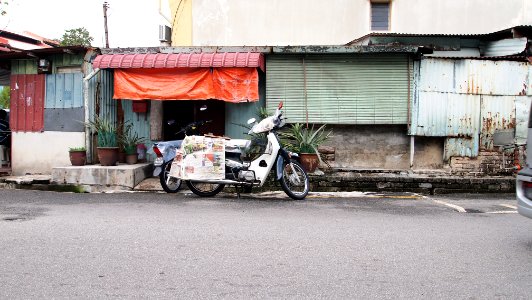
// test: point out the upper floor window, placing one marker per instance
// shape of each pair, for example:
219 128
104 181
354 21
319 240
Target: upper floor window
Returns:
380 15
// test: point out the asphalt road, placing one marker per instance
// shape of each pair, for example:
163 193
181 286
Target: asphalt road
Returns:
153 245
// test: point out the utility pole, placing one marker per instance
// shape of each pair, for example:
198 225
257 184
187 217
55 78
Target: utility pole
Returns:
105 7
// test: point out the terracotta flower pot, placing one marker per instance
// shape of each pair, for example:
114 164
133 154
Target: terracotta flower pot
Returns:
78 158
108 156
132 159
309 161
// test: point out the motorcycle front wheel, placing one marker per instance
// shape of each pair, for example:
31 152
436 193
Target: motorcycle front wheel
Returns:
203 189
169 184
295 181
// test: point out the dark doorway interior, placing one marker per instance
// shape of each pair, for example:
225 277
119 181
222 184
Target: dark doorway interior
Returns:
183 112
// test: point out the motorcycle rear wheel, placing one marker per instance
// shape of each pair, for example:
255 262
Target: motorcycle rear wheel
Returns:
172 184
205 189
295 190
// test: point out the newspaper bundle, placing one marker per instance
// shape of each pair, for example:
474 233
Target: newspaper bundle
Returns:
200 157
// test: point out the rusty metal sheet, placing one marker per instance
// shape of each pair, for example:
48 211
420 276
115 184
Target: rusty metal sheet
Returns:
522 111
445 114
497 113
461 147
27 103
472 76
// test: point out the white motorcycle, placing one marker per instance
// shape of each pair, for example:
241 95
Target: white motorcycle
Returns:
241 171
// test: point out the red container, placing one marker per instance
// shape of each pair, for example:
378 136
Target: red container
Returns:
140 106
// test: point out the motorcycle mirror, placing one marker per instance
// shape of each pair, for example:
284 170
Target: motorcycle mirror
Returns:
203 108
251 121
170 122
280 104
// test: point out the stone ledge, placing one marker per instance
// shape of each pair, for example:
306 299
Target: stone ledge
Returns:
97 177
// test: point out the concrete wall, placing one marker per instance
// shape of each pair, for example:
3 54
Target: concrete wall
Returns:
382 147
303 22
39 152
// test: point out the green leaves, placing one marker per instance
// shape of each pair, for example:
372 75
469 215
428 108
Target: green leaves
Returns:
4 97
298 138
76 37
107 134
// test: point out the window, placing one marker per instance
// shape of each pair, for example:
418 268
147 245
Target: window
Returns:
380 15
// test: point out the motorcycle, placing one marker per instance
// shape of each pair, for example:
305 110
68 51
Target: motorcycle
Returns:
165 153
242 171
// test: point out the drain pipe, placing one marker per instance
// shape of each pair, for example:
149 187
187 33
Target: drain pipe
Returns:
88 143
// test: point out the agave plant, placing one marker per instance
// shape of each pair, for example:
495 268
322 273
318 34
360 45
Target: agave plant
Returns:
107 133
129 139
301 139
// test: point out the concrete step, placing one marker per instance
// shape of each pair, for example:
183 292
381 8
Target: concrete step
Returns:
96 178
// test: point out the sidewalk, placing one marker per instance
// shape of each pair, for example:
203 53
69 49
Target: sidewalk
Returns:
341 180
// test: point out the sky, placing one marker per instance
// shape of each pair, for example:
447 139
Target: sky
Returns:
131 23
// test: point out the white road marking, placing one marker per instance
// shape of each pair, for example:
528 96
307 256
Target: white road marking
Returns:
508 206
502 212
455 207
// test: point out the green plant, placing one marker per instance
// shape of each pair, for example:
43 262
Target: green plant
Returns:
129 139
301 139
107 133
75 149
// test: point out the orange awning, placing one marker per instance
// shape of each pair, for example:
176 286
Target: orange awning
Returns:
227 84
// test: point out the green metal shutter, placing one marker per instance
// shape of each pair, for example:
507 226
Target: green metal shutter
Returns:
340 89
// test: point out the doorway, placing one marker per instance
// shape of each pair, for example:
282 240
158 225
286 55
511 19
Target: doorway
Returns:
177 114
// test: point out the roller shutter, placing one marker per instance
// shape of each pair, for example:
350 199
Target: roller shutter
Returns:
340 89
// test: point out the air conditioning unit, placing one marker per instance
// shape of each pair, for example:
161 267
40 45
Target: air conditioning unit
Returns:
165 33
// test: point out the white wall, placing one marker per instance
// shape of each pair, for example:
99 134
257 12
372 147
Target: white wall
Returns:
39 152
334 22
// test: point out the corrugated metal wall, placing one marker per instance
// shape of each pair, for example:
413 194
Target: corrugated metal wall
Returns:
64 106
27 103
23 66
62 60
340 89
140 121
468 100
101 96
64 90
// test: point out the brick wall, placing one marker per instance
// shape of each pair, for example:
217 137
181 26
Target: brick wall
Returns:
487 163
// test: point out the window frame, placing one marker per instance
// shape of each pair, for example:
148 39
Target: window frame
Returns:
388 20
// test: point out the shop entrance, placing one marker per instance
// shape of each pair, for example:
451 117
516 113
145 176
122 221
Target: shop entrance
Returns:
177 114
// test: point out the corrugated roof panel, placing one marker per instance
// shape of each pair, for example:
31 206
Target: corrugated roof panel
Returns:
445 114
504 47
180 60
479 77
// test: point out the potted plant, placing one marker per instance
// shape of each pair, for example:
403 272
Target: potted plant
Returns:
130 139
107 141
301 139
78 155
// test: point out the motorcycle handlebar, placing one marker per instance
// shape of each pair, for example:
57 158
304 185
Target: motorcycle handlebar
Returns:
192 125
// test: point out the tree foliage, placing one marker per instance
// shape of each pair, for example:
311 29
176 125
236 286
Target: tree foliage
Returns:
76 37
4 97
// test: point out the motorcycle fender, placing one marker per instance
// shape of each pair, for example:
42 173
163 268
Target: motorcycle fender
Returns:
157 171
279 167
280 160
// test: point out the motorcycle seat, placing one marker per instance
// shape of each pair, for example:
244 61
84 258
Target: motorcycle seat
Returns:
237 145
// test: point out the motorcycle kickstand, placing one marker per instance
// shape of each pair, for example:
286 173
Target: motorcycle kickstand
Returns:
237 192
